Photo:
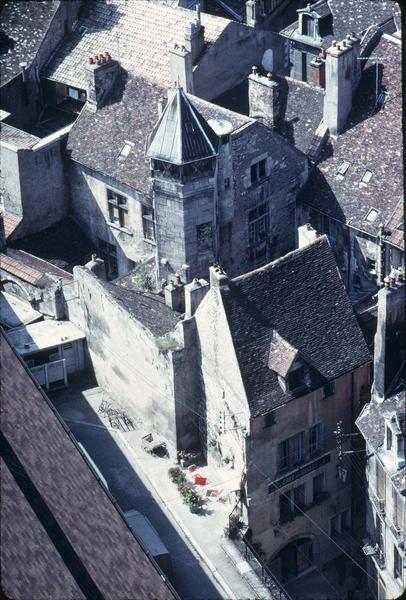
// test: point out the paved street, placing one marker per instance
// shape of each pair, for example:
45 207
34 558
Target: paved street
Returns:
124 466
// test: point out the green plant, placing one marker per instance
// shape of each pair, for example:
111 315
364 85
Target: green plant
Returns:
184 487
191 497
175 473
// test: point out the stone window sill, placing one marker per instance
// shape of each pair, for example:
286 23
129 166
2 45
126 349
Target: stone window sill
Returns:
151 242
122 229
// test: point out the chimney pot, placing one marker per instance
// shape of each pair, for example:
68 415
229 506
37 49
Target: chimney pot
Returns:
334 43
269 76
91 60
387 282
176 46
344 43
401 278
107 55
392 281
254 70
338 47
178 278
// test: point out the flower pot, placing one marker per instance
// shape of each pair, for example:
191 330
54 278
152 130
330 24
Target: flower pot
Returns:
194 508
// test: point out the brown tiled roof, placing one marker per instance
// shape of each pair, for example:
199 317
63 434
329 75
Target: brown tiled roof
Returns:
62 534
18 269
395 227
23 27
138 34
302 298
39 264
371 141
10 223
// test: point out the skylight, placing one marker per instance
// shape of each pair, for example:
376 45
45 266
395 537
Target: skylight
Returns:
371 215
366 178
343 168
125 151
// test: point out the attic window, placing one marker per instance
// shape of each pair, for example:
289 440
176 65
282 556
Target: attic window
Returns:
371 216
366 178
82 30
342 169
125 151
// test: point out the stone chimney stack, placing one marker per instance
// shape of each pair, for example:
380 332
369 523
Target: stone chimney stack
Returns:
388 337
101 75
174 294
194 294
252 12
343 73
218 278
318 71
97 266
181 66
306 235
264 98
194 38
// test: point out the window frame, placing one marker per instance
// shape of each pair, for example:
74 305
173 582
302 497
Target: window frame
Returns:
258 171
318 445
148 223
117 202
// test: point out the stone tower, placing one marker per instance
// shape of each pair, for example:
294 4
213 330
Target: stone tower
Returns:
183 151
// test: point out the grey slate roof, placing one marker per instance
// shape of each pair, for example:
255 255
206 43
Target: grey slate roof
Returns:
23 27
62 534
371 421
96 139
302 298
139 34
17 137
181 135
372 141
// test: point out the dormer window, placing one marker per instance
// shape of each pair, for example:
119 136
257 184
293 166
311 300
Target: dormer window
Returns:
308 26
296 378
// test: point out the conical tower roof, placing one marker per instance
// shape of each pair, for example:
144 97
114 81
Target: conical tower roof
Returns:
181 134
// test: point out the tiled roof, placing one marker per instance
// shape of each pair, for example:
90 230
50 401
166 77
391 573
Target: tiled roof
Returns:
97 139
18 269
23 27
371 142
301 111
138 34
10 223
181 135
62 534
371 421
302 298
395 227
148 309
63 244
38 264
17 137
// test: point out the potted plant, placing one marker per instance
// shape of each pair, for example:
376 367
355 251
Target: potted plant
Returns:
187 457
191 498
175 473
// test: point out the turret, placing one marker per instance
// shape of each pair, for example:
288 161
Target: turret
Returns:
183 151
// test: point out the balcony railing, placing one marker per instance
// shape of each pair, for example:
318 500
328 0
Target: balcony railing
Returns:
50 372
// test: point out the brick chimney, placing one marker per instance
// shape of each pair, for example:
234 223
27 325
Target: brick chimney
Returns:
343 73
388 337
101 75
263 95
181 66
194 294
318 71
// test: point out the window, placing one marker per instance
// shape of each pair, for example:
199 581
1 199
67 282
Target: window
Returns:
342 169
367 176
118 211
398 510
315 439
73 93
227 182
340 523
269 419
308 25
148 224
258 224
388 438
380 480
329 389
371 215
108 252
258 170
291 502
397 563
125 151
296 378
204 234
318 486
291 451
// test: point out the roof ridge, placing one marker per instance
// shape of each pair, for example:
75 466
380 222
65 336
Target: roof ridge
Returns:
282 259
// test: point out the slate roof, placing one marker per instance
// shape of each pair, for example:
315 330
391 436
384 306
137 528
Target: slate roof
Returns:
372 141
350 15
138 34
181 135
302 298
23 27
17 137
148 309
371 421
301 111
96 139
63 244
62 534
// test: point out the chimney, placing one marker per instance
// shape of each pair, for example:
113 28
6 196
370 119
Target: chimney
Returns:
101 75
388 338
306 235
97 266
318 71
263 98
218 278
174 295
194 294
181 66
161 103
194 39
342 77
252 12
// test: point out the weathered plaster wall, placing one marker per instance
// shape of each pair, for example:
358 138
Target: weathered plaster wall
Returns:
47 299
262 453
89 206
